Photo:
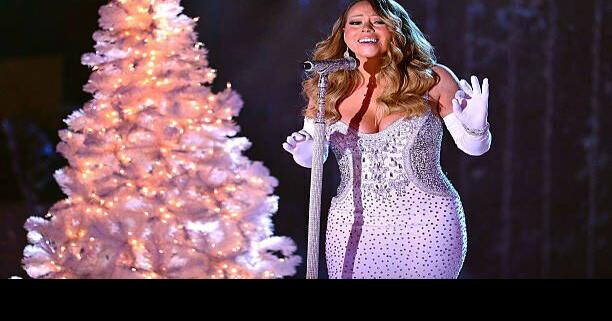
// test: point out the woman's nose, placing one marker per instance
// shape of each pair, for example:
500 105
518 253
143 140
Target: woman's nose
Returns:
367 27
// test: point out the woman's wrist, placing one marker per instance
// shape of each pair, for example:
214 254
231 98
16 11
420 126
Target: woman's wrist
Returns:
453 121
477 132
470 144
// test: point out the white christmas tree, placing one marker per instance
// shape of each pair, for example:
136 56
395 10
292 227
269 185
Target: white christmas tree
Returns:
156 186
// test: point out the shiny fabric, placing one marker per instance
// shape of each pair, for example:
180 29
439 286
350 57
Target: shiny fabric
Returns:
396 215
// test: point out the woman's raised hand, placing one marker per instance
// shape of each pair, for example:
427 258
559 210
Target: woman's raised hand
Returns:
471 104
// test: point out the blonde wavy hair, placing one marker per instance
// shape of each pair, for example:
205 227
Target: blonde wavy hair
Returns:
406 68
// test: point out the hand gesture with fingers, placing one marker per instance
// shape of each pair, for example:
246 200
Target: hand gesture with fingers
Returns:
294 143
471 105
300 144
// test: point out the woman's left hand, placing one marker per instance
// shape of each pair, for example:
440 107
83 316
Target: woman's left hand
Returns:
471 104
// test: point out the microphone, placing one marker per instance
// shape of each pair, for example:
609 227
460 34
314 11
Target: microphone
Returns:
331 66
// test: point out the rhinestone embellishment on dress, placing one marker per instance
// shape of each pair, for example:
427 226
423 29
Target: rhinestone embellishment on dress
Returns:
406 151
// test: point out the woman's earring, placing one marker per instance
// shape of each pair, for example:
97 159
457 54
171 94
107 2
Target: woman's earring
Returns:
347 54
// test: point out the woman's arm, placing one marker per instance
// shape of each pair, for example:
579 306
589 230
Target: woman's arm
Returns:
464 109
445 90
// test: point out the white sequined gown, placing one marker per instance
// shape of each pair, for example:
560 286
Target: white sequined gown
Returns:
395 215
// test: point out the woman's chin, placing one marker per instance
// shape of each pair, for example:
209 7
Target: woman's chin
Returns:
368 55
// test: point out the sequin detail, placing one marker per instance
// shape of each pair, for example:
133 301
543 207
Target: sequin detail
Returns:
395 214
407 150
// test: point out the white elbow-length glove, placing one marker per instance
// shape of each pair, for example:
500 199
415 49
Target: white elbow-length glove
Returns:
300 144
468 123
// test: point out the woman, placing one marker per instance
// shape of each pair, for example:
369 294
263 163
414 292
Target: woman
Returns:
396 215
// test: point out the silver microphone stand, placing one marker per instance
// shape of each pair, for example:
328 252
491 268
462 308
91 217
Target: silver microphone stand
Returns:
316 175
316 183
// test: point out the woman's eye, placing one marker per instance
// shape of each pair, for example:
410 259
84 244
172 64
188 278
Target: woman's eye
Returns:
354 23
380 22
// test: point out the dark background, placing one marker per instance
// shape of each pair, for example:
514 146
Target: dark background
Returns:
537 205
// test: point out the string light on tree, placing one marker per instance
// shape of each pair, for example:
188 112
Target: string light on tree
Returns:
137 175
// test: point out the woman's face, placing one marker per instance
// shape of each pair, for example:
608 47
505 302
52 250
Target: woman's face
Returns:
365 33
